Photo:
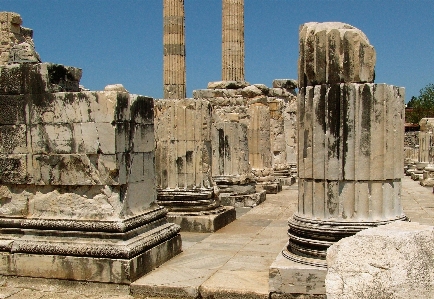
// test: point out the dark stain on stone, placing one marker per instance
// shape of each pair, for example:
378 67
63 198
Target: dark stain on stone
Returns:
189 157
143 107
221 148
320 108
333 117
345 128
179 164
366 107
121 107
227 149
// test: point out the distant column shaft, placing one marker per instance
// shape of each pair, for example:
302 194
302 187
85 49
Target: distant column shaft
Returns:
233 40
174 49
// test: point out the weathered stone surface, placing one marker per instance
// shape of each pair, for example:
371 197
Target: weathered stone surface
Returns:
251 91
390 261
115 87
334 52
227 84
16 42
288 84
38 78
349 174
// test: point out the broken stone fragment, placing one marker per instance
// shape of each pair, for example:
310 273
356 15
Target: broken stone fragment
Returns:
227 84
389 261
251 91
289 84
334 52
115 87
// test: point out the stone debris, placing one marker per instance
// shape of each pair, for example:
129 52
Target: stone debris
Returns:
389 261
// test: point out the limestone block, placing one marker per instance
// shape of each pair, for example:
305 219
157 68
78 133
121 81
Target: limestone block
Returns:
227 84
13 110
251 91
70 202
334 52
14 203
75 169
288 84
56 138
13 139
14 169
390 261
38 78
115 87
215 93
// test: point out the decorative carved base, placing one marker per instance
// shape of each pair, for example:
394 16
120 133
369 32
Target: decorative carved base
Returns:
117 251
201 199
310 238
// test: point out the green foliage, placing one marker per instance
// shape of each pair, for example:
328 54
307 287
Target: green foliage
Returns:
422 106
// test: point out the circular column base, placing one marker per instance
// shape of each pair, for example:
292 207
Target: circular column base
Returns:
310 238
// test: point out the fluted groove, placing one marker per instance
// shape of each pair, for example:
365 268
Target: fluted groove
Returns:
349 139
174 74
233 40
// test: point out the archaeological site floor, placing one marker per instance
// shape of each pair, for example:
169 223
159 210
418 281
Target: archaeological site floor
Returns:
231 263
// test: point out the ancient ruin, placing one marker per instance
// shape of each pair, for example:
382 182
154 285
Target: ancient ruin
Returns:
97 186
174 50
78 196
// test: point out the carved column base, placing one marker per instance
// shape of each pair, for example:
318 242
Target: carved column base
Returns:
310 238
196 210
239 191
116 251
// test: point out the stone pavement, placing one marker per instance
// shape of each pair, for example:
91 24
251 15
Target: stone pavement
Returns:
231 263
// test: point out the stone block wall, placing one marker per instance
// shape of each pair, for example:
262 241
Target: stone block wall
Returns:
77 180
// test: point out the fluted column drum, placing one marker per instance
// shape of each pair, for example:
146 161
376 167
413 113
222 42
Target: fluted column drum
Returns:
350 163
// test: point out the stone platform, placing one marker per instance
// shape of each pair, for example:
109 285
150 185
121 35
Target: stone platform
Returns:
231 263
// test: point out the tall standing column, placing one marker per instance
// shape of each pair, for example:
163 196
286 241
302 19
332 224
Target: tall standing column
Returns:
174 49
233 40
350 142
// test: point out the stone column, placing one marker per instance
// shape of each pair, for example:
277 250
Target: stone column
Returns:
233 40
174 49
350 142
183 165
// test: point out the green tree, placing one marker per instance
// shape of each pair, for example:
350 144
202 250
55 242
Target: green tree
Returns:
422 106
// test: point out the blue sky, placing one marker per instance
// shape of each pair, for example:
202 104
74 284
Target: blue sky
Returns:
120 41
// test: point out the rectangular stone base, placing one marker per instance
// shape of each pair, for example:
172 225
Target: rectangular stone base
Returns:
243 200
121 271
289 279
201 222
